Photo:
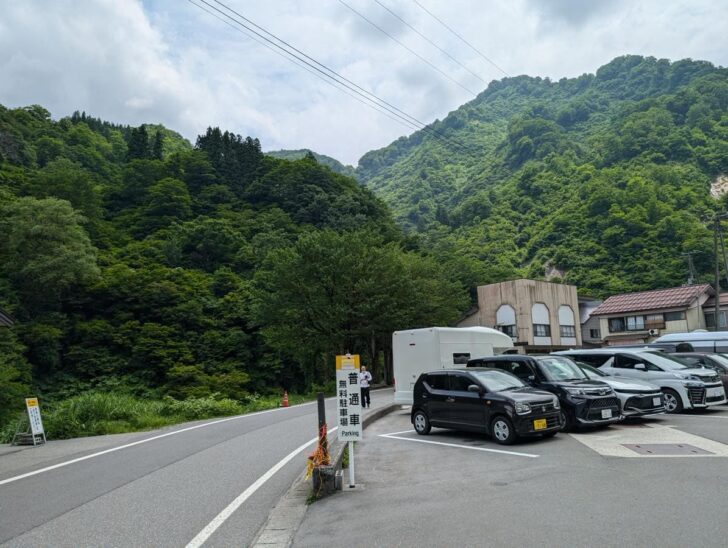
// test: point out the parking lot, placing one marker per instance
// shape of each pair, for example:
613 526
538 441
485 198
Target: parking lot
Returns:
661 481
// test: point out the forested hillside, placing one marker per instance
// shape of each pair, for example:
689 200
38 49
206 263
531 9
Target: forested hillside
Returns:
137 265
333 163
605 177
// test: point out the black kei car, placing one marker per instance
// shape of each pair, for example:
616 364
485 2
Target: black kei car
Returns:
583 401
483 400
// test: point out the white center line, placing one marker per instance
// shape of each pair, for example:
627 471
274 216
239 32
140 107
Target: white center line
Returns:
145 440
218 520
516 453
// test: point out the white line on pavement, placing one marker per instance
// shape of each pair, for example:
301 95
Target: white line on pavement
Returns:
394 437
218 520
145 440
410 431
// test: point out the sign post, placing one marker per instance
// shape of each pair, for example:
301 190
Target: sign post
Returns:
348 393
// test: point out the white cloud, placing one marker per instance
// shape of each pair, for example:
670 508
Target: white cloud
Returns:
167 61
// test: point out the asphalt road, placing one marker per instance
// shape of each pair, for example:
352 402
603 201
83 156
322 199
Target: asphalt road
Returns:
555 492
161 492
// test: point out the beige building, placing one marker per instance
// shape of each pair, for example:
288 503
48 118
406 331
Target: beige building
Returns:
539 316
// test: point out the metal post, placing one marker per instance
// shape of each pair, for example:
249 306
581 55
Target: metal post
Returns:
323 438
717 274
352 483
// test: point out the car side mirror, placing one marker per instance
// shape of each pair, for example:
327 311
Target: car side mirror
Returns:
475 388
640 367
531 379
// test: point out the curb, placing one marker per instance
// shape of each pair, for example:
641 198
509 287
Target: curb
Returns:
287 515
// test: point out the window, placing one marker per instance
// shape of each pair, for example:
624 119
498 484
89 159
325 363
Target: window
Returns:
460 382
710 319
460 358
674 316
654 321
625 362
541 321
541 330
438 381
567 325
635 323
616 325
568 331
505 319
595 360
595 334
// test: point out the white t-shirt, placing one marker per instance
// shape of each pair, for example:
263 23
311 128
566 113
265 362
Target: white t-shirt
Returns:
365 377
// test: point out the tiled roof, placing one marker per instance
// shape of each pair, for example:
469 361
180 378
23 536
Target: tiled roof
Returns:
710 303
657 299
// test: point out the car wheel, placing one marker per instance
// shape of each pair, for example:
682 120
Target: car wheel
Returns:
422 423
673 403
502 430
567 420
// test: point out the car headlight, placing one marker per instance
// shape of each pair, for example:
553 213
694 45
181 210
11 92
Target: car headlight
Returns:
557 405
695 378
576 391
522 408
692 384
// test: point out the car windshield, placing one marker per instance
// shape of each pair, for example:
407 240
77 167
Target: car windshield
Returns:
591 372
495 381
720 358
667 362
559 368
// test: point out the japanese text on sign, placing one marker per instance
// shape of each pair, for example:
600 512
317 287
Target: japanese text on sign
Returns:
36 424
348 397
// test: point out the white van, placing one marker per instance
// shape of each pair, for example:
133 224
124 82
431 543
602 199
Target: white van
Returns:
701 341
417 351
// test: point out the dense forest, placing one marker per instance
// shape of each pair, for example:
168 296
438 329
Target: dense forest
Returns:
333 163
604 177
136 264
204 277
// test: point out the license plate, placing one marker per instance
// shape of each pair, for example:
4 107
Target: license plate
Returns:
606 413
657 402
714 392
539 424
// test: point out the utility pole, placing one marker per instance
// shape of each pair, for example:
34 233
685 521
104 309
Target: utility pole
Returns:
692 274
717 273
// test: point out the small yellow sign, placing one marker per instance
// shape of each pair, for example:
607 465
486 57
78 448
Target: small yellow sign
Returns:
347 361
31 402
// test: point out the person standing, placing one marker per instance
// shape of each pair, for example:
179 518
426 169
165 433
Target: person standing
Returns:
365 377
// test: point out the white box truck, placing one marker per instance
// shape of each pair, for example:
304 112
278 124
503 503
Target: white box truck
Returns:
416 351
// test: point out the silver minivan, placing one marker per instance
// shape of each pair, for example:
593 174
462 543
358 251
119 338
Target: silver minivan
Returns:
684 385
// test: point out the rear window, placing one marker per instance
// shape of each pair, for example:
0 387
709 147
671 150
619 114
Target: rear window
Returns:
437 381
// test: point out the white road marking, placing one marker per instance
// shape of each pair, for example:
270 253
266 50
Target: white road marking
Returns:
410 431
218 520
612 443
393 436
145 440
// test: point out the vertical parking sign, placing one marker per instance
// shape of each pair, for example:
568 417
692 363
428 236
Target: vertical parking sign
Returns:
36 424
348 394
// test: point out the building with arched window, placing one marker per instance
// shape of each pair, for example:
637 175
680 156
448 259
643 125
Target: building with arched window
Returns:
539 316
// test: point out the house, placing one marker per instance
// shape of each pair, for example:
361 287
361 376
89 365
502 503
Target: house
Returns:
709 313
591 333
636 318
539 316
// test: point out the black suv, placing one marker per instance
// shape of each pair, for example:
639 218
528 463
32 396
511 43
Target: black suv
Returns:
583 401
483 400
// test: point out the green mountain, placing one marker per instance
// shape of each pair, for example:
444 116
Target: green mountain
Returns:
333 163
140 266
605 176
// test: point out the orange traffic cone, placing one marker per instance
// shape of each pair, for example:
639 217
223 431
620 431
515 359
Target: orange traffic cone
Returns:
284 403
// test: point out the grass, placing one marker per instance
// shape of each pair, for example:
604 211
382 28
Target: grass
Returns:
98 413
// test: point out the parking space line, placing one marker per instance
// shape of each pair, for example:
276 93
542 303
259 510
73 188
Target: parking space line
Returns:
410 431
393 436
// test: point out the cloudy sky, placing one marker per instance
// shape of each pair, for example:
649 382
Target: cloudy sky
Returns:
168 61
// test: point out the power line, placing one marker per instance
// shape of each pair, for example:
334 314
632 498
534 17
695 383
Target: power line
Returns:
430 41
471 46
324 70
413 52
304 67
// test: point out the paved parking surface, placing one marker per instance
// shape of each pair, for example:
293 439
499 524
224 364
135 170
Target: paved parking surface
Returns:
582 489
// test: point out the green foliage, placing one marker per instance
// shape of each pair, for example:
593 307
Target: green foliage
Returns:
133 264
333 163
605 177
